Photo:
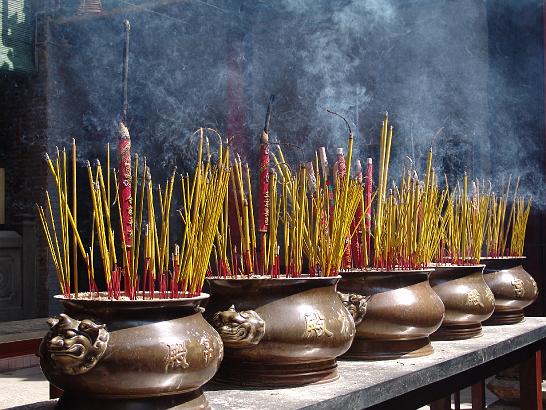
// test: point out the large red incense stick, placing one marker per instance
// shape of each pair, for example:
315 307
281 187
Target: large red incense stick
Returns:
341 174
327 178
124 159
356 243
263 197
367 204
124 153
263 188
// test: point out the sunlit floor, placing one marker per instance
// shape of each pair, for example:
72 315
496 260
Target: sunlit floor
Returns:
22 387
27 388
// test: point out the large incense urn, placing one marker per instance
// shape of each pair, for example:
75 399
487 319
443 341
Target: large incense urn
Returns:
514 288
125 354
467 299
402 312
280 332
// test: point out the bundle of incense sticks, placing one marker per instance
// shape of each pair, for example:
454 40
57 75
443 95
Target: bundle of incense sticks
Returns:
409 219
520 216
180 274
466 216
307 217
499 228
327 233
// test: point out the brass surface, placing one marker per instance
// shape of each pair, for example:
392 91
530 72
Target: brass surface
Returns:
513 287
155 348
467 299
306 328
402 312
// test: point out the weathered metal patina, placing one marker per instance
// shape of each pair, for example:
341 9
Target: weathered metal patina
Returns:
122 353
402 311
279 332
467 299
513 287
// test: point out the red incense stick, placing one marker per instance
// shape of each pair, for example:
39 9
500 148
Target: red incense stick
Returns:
124 159
367 203
263 187
341 174
356 243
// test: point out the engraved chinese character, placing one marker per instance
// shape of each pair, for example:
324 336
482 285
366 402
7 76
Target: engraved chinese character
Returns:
346 329
208 350
473 298
176 357
489 295
519 290
315 325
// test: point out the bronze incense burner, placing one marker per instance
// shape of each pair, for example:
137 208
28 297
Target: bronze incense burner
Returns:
467 299
402 312
279 332
123 353
513 287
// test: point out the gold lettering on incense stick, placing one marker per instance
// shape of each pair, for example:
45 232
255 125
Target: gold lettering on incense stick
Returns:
519 289
315 326
176 356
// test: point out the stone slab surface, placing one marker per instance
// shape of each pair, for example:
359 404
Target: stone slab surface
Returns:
363 384
23 330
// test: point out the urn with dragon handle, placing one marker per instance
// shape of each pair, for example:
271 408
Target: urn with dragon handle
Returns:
467 299
282 331
513 287
122 353
402 311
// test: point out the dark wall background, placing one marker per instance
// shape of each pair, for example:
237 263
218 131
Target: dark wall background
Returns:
516 114
465 76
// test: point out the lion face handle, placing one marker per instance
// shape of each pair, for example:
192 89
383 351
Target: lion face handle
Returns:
73 346
239 329
355 304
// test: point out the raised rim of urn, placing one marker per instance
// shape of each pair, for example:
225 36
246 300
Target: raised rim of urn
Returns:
447 270
493 264
268 278
382 271
263 284
125 304
103 298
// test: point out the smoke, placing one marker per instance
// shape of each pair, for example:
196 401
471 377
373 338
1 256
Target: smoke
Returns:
465 77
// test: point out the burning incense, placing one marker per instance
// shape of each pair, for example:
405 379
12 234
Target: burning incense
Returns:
466 222
357 225
75 215
60 252
368 207
409 218
520 217
124 159
272 260
263 187
499 228
384 158
203 202
202 210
